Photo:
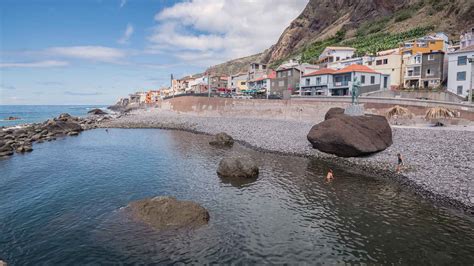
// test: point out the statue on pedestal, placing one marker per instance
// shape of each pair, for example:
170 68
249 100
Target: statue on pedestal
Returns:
355 91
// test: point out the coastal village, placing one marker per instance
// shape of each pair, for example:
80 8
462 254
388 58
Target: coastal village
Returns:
430 63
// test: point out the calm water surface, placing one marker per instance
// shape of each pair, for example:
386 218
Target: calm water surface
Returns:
62 203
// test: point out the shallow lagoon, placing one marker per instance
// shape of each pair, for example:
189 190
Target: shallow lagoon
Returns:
62 203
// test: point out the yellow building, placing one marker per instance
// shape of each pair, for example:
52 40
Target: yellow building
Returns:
426 44
388 62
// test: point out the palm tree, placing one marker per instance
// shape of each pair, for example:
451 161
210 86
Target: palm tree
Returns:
439 112
398 111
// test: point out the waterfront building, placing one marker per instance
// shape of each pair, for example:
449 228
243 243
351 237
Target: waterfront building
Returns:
152 96
238 82
199 84
387 62
286 80
460 71
218 83
331 82
262 84
256 70
467 39
425 70
426 44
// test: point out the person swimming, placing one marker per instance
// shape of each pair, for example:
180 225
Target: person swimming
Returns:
329 176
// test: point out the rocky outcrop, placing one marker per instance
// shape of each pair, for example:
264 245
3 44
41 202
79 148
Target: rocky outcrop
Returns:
222 140
351 136
237 167
21 140
97 111
168 213
11 118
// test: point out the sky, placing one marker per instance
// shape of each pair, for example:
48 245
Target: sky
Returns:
96 51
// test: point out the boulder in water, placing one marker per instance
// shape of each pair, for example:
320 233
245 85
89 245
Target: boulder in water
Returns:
11 118
351 136
167 213
223 140
237 167
97 111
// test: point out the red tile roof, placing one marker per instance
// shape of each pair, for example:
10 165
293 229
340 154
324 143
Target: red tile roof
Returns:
356 68
323 71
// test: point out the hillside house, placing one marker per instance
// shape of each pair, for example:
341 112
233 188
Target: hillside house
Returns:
460 71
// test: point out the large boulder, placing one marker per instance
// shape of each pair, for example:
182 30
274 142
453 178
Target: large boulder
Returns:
165 213
61 127
97 111
237 167
351 136
222 139
333 112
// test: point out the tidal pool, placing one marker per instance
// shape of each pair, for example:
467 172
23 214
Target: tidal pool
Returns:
61 204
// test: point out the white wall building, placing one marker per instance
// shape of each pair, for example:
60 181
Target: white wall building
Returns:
467 39
460 71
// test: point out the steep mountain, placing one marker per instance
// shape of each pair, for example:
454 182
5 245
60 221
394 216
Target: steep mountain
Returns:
368 25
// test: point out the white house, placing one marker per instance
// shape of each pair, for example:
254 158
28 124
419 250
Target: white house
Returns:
460 71
334 54
467 39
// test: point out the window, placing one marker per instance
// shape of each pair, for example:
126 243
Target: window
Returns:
430 57
428 72
459 89
318 80
337 58
362 79
385 61
307 82
372 80
378 62
462 60
370 63
264 67
281 83
289 73
385 82
461 76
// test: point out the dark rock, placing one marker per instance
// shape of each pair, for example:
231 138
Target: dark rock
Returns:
5 154
351 136
333 112
64 117
237 167
165 213
5 147
11 118
24 148
222 139
8 137
73 133
97 112
19 132
61 127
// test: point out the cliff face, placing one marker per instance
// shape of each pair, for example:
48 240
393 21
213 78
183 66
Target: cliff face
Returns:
323 18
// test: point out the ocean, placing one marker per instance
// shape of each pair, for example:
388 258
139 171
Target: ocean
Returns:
39 113
63 204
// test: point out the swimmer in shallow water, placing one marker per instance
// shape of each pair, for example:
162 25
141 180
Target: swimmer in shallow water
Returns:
329 176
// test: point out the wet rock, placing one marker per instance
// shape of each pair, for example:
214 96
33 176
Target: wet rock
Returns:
351 136
61 127
237 167
8 137
333 112
6 147
73 133
97 111
165 213
11 118
64 117
5 154
222 139
24 148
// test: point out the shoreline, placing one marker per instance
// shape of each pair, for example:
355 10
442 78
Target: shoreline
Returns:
449 196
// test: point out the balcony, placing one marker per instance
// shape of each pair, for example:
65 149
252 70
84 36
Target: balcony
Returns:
341 84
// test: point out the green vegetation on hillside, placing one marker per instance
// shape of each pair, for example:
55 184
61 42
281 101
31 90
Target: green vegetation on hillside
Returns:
365 41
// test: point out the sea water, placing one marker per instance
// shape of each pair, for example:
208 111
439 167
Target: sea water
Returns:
63 204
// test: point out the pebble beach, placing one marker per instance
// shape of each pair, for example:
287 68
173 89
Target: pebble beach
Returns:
438 161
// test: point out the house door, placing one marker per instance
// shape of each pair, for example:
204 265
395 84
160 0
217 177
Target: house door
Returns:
385 82
425 84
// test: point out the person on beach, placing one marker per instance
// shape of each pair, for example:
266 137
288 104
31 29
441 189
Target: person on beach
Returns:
106 130
329 176
400 163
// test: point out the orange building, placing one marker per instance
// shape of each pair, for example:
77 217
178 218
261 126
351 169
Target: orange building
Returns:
152 96
428 44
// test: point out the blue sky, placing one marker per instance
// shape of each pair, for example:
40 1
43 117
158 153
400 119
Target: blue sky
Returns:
94 51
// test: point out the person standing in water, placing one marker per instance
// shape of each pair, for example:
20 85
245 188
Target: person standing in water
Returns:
400 163
329 176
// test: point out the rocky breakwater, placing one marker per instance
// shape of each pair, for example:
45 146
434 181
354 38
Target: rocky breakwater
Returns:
21 139
222 140
168 213
350 136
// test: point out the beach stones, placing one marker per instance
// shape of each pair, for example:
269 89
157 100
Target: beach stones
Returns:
237 167
168 213
223 140
351 136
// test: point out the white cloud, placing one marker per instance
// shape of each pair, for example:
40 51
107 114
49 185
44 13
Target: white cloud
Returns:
127 34
96 53
122 3
222 29
38 64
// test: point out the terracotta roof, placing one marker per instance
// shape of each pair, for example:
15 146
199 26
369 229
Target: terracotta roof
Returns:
272 75
356 68
323 71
